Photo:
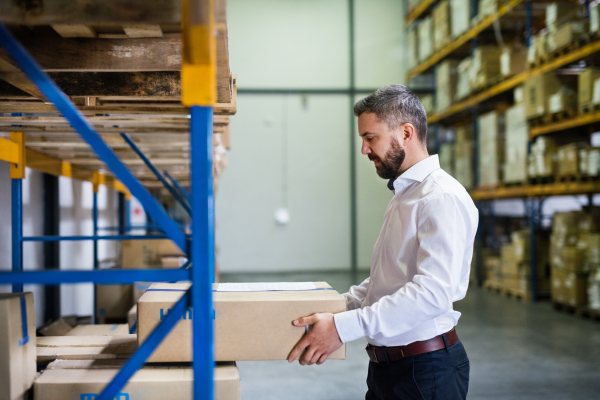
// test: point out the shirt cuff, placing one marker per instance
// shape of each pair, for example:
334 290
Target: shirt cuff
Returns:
348 325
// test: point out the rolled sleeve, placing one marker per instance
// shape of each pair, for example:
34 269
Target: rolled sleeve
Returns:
349 326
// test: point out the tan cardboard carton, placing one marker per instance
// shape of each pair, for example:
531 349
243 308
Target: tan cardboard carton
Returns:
17 345
446 79
67 380
425 39
85 347
566 34
491 148
140 254
569 288
132 319
536 92
248 325
441 24
463 164
516 145
173 262
57 328
139 288
99 330
460 17
447 157
513 60
585 88
113 301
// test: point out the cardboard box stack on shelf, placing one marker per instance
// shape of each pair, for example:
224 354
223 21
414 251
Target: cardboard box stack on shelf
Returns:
541 162
569 245
565 22
516 264
491 148
463 151
512 60
593 266
445 81
425 41
460 17
447 158
585 89
441 25
427 101
537 53
463 78
413 46
568 162
17 345
486 7
485 67
493 268
515 145
594 19
550 93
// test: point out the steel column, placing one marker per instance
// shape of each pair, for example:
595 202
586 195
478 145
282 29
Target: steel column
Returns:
203 249
528 22
83 238
108 276
17 230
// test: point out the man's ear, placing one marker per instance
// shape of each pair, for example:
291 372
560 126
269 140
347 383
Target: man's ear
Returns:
407 133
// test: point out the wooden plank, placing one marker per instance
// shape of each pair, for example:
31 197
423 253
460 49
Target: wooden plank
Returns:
224 79
143 31
105 55
74 31
89 12
11 74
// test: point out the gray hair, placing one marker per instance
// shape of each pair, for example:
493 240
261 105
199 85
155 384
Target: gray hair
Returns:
396 105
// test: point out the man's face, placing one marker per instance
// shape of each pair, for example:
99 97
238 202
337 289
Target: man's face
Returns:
381 145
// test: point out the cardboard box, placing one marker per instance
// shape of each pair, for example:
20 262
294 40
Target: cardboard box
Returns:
486 66
563 100
460 17
248 325
51 348
536 92
566 35
67 380
173 262
569 288
571 259
445 81
99 330
441 24
463 83
594 18
516 145
593 249
463 164
568 159
425 49
139 288
487 7
491 148
464 133
585 88
447 158
57 328
141 254
17 345
513 61
427 101
113 301
560 12
132 319
413 46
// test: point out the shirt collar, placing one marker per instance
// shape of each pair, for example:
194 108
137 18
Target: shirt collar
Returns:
417 172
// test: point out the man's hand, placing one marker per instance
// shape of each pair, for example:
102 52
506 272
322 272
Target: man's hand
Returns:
319 342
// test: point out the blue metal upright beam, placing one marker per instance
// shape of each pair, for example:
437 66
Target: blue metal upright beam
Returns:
17 230
109 276
156 172
203 249
68 110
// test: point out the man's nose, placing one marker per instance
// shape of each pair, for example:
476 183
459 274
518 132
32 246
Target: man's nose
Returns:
365 149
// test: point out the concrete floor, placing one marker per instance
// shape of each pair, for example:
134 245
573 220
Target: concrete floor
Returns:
517 351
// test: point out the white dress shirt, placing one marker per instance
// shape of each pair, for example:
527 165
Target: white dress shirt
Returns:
421 262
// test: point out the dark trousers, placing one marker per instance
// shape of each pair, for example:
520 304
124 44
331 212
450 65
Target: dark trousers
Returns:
439 375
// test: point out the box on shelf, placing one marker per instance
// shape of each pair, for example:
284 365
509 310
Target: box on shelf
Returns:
113 302
485 68
594 19
460 17
84 380
55 328
491 148
487 7
515 145
50 348
173 262
445 81
537 52
512 60
413 46
565 35
99 330
563 100
425 49
593 250
589 161
561 12
536 92
569 288
542 159
464 133
441 25
249 325
493 268
568 158
463 83
17 345
463 163
139 288
147 253
518 95
447 158
585 88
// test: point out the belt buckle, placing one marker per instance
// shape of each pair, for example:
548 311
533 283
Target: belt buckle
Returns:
375 353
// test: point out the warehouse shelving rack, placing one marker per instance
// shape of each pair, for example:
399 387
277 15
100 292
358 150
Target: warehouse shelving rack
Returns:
198 83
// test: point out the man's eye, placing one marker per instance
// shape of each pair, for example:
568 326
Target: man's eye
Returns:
370 139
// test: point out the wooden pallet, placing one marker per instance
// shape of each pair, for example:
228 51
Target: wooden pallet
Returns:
553 55
563 307
497 287
590 313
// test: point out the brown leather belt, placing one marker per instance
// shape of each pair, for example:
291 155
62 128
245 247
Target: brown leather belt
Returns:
381 354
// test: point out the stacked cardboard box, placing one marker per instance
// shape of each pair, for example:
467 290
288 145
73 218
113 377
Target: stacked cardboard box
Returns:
562 12
585 89
142 254
445 81
460 17
493 269
491 148
425 40
447 157
50 348
463 151
512 60
569 244
487 7
569 160
485 67
413 46
113 302
594 18
17 345
441 25
589 161
516 263
565 35
541 162
515 145
537 51
537 91
593 266
463 84
563 100
67 379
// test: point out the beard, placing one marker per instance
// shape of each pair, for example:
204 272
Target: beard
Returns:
389 166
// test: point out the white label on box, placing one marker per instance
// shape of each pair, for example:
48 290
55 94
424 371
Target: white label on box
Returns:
596 94
265 287
555 103
531 54
505 63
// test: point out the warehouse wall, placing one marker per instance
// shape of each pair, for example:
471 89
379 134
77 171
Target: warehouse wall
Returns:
291 150
75 299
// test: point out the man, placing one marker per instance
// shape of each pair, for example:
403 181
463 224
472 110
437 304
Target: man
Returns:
420 265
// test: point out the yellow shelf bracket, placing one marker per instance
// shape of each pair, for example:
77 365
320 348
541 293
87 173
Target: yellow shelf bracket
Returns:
16 148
